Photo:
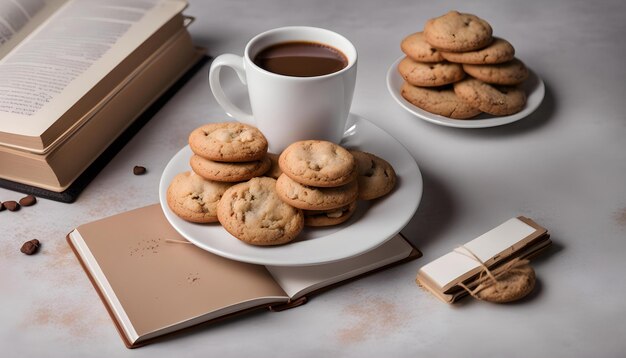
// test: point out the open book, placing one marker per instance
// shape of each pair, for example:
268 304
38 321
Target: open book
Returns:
74 74
152 286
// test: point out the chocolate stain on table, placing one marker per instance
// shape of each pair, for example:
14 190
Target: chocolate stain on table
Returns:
620 217
116 200
370 317
71 316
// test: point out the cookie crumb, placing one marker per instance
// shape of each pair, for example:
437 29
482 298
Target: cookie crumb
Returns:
139 170
192 278
30 247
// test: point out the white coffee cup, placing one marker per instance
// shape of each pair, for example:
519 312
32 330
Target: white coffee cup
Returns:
285 108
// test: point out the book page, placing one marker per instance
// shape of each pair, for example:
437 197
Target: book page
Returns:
298 281
156 287
57 64
18 18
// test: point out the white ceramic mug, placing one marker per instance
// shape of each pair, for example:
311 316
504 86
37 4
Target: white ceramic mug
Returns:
285 108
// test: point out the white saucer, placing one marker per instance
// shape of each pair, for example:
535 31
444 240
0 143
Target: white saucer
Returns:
533 86
373 223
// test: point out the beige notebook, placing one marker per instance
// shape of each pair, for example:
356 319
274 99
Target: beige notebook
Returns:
152 286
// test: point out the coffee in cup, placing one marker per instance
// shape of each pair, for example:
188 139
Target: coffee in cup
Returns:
300 83
301 59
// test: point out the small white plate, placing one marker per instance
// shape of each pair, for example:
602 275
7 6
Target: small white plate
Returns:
533 86
372 225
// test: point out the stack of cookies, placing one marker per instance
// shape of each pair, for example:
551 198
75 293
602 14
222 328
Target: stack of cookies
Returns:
325 180
320 178
253 212
318 184
456 68
224 154
228 152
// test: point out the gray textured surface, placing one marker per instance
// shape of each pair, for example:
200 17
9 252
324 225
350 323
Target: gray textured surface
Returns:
564 166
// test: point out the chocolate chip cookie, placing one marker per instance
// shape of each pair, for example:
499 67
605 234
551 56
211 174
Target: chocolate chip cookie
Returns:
253 213
416 47
439 100
430 74
274 170
229 172
458 32
318 163
496 100
315 198
195 199
508 73
376 176
499 51
329 217
509 286
228 142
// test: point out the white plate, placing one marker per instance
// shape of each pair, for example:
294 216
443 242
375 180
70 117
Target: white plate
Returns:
373 223
533 86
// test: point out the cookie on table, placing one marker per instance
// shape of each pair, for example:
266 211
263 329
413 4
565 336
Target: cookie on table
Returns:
329 217
416 47
430 74
458 32
508 73
274 170
228 142
229 172
439 100
195 199
315 198
376 176
318 163
499 51
510 286
253 213
496 100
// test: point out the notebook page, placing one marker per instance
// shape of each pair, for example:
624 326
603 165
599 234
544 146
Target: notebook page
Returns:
298 281
157 287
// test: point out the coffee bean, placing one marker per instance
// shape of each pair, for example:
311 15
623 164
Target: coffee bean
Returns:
139 170
30 247
11 205
28 200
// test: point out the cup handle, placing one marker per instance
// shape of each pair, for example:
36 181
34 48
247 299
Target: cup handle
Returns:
236 63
